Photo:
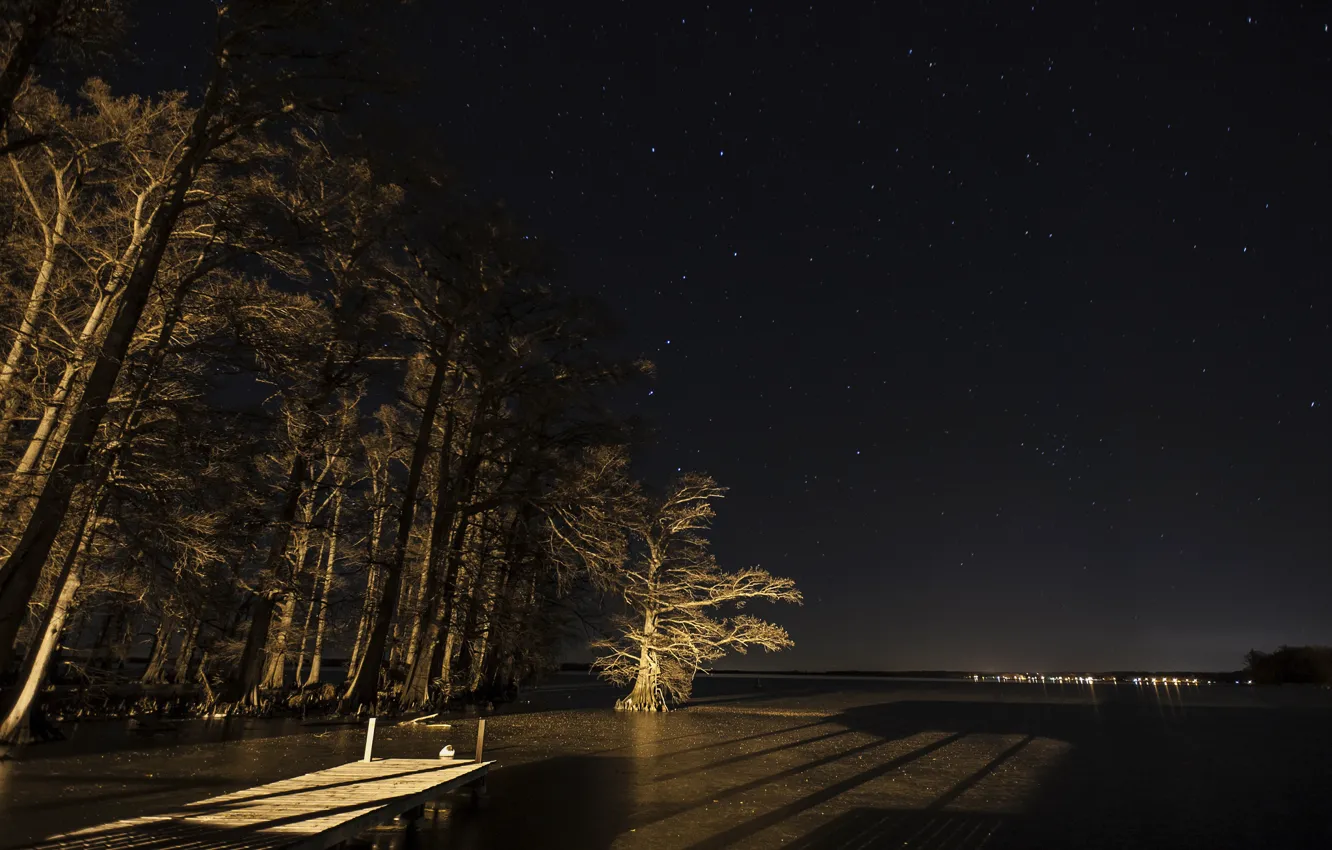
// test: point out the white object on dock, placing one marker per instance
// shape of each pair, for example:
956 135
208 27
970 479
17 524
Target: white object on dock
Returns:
447 752
369 740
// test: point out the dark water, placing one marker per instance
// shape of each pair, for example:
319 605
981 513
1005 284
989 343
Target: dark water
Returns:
799 763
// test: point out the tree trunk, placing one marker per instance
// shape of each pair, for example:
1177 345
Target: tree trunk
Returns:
244 685
467 654
53 236
476 669
248 676
13 728
498 637
414 609
137 397
103 649
379 491
317 659
367 616
309 612
430 660
155 672
405 603
458 580
57 415
275 665
416 683
436 617
305 632
364 685
279 646
58 411
22 569
441 526
185 654
201 674
646 694
127 637
441 663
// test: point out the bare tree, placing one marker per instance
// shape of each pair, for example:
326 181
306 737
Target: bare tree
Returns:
252 81
335 459
198 284
101 167
672 587
435 297
381 452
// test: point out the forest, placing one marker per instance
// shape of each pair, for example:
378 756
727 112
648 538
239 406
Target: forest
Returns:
289 418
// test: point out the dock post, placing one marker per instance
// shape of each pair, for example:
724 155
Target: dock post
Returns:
479 786
369 740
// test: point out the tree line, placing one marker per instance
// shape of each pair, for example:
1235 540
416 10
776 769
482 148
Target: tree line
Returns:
262 398
1294 665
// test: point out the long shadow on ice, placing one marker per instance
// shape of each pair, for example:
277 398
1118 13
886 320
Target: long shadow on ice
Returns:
138 787
1137 772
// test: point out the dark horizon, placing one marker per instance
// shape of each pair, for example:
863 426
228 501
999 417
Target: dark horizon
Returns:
1007 330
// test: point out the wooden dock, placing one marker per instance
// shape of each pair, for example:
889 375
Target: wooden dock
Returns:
310 812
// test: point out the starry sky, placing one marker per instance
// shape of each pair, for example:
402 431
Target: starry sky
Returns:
1006 324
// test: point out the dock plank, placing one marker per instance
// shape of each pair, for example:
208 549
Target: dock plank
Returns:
309 812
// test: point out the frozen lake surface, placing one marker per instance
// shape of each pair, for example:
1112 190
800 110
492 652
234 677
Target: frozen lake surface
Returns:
806 763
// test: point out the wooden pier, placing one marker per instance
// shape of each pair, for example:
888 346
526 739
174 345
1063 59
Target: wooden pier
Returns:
310 812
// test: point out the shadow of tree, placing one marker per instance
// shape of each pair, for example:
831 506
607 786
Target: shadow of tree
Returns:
1138 773
879 829
144 786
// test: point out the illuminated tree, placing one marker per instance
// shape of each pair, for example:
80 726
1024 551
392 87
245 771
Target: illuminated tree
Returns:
682 607
260 71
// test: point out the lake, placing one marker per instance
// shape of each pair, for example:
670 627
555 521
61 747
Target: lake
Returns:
776 762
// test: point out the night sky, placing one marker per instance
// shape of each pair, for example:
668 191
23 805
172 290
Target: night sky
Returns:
1006 324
